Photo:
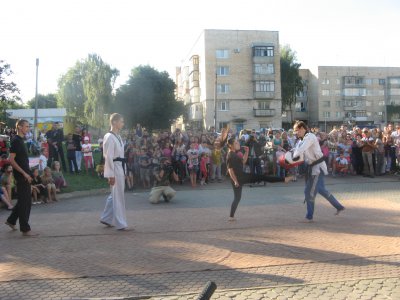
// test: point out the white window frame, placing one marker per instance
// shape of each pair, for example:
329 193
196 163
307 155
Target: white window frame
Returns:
224 106
222 53
265 86
222 70
223 88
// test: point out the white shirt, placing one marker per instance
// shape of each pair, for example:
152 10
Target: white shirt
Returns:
42 162
311 150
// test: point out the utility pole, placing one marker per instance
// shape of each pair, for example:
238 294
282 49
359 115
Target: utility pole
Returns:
215 101
36 102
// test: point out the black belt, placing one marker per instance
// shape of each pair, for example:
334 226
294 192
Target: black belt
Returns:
309 167
123 161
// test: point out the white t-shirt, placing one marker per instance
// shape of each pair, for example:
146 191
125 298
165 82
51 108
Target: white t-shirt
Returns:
42 162
87 149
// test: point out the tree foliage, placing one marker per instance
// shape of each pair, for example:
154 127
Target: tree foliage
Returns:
148 98
291 81
86 90
44 101
9 91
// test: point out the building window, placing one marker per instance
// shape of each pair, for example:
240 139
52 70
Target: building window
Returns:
264 69
300 107
223 125
325 92
338 114
222 53
368 81
326 114
301 94
223 88
338 103
224 106
381 81
381 93
263 105
394 92
394 80
263 51
325 81
265 86
381 103
354 92
380 113
369 114
361 113
337 92
222 71
337 81
326 103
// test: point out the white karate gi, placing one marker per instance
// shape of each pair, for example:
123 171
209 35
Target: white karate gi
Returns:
114 212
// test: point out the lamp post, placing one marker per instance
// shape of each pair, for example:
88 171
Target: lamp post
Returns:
215 101
36 102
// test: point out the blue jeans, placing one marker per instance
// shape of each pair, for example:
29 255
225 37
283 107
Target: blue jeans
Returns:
315 184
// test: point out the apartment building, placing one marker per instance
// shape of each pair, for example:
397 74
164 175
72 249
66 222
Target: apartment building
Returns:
306 107
232 78
363 96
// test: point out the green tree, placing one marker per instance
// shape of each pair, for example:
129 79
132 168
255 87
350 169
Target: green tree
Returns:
148 98
9 91
86 90
44 101
291 81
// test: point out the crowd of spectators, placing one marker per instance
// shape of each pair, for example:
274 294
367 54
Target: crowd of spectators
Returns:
198 158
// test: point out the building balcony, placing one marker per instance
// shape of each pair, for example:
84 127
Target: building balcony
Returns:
264 112
355 107
263 59
258 77
264 95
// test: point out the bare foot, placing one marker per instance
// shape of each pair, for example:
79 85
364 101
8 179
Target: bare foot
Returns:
288 179
11 225
30 234
232 219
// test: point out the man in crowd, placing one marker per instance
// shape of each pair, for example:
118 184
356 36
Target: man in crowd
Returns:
162 185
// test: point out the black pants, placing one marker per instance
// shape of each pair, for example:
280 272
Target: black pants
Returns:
62 158
22 209
248 178
72 164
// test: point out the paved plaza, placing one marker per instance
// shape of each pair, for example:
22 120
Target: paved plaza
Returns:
176 248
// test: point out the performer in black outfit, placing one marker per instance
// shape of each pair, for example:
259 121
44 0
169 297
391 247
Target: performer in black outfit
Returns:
20 163
239 177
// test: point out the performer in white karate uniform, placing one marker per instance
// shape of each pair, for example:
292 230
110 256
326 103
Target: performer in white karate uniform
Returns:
316 169
113 150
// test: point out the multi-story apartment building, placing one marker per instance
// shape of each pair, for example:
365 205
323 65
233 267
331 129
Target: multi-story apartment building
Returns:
366 96
306 107
232 78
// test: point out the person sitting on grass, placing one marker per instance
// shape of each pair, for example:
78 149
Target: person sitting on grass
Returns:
7 181
48 182
58 176
38 188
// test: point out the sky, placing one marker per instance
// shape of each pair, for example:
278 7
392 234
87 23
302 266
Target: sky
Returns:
159 33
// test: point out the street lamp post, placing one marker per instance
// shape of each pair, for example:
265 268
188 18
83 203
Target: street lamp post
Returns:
215 102
36 102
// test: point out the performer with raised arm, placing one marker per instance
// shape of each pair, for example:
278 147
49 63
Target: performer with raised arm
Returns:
315 169
114 169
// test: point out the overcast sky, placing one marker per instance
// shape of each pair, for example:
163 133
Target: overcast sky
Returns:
128 33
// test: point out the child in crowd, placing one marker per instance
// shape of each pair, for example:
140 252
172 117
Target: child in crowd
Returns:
87 154
43 160
38 188
204 167
71 157
58 176
342 164
216 159
7 181
48 182
193 159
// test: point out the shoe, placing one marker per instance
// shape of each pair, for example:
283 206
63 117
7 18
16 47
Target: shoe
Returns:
231 219
107 224
126 229
339 211
307 221
10 225
30 234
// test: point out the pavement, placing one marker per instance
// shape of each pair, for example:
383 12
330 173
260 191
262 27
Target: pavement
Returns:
176 248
